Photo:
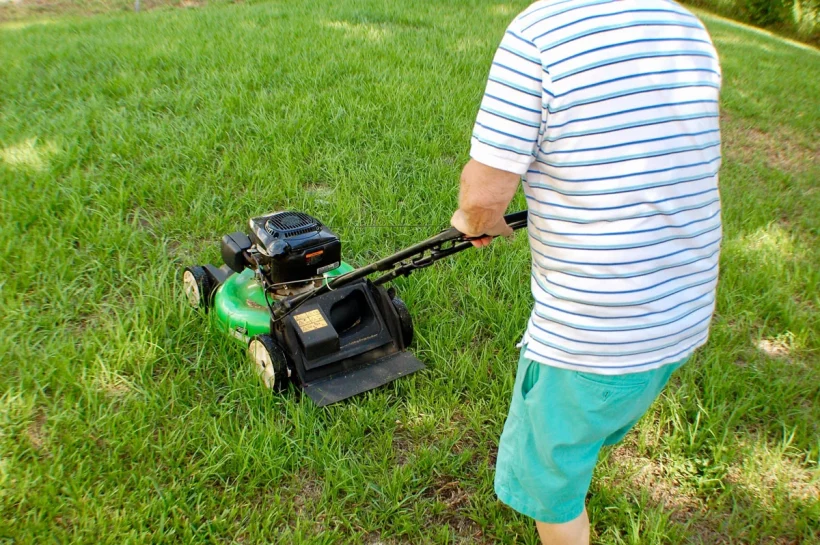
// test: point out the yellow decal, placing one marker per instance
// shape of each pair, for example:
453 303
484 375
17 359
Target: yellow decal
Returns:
310 320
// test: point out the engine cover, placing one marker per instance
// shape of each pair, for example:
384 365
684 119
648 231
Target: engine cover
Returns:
298 246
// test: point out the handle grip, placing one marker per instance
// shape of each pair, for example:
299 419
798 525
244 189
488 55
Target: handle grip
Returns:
516 220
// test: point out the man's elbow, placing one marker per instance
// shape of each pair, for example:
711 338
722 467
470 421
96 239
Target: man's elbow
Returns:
485 187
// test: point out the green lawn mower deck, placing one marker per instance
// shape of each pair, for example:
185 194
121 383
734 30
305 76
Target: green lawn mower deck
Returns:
240 308
307 317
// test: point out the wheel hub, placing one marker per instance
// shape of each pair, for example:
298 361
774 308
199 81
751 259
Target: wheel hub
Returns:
191 288
264 365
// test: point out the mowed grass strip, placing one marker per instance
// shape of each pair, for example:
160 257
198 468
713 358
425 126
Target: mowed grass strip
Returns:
129 144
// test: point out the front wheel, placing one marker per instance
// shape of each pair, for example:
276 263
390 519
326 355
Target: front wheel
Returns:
270 362
197 286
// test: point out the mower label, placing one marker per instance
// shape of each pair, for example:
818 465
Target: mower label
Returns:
322 270
310 320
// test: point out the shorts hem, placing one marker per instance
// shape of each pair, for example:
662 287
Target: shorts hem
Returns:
540 515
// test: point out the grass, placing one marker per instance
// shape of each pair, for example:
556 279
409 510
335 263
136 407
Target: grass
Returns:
129 143
21 12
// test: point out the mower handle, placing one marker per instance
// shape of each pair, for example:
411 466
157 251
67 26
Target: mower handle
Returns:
436 245
516 220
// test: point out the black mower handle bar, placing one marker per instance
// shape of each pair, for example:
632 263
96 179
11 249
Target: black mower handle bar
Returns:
515 221
425 253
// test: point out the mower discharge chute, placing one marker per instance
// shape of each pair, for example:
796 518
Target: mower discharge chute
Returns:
310 318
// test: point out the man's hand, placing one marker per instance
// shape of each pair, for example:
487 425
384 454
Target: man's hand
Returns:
500 229
485 194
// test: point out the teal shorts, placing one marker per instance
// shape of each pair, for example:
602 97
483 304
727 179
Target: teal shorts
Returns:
558 422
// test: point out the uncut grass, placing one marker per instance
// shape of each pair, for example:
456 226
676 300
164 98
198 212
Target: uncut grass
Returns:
130 144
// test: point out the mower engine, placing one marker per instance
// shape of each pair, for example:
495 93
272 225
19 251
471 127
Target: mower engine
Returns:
333 345
289 250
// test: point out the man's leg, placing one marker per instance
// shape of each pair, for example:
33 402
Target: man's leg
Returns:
574 532
557 423
545 456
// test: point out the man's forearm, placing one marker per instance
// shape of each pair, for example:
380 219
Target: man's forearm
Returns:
484 196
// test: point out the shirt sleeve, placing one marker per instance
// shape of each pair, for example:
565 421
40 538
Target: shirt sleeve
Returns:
505 135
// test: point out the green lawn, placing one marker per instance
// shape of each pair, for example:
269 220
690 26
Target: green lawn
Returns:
129 143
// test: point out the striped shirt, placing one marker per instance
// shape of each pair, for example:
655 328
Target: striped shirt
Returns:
609 111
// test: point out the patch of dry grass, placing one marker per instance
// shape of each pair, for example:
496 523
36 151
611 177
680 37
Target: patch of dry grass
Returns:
663 485
36 432
781 148
17 10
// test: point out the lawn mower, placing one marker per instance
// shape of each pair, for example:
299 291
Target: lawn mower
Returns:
308 317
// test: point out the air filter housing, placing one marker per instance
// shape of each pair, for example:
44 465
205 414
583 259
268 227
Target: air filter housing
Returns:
299 247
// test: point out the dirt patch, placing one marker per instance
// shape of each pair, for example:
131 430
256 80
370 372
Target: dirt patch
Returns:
307 491
651 476
374 538
36 433
403 450
447 491
450 159
740 362
781 148
178 254
450 492
468 442
65 523
15 10
466 438
774 348
664 489
465 529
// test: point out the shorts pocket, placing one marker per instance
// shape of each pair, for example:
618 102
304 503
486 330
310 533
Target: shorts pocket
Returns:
614 396
630 381
531 377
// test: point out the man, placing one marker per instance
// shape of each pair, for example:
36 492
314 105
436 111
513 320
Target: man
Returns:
608 109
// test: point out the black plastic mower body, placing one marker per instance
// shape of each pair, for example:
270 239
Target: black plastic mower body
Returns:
345 342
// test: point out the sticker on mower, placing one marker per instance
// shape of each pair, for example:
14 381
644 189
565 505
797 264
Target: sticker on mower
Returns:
310 321
322 270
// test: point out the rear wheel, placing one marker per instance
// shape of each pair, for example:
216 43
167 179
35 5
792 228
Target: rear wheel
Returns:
270 362
198 287
405 321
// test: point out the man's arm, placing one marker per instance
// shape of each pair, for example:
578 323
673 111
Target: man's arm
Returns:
505 137
483 198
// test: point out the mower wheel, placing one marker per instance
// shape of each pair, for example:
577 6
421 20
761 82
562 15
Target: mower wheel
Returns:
270 361
198 287
405 321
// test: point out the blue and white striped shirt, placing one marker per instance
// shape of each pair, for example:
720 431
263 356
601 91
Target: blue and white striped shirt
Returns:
609 111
